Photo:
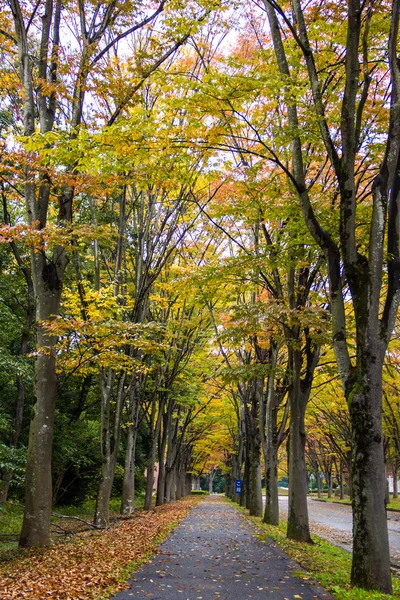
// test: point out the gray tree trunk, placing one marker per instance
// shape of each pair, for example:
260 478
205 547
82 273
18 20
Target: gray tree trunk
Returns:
38 485
253 441
370 544
111 419
319 483
269 436
395 470
148 500
128 486
299 393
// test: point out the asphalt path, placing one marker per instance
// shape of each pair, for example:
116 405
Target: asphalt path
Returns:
214 554
335 522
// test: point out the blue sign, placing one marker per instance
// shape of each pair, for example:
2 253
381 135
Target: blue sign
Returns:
238 486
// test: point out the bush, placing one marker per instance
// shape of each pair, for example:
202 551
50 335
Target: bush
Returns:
200 493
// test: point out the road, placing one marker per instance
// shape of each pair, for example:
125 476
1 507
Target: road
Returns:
334 522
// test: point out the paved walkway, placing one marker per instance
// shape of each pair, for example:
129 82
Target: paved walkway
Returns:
214 555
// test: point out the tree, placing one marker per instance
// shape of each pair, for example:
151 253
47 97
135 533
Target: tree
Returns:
362 261
55 104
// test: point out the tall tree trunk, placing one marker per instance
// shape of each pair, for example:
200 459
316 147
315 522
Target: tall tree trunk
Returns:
244 495
319 483
161 482
298 525
271 512
38 485
168 456
329 480
155 425
128 485
341 480
255 493
111 418
253 440
370 543
395 470
299 393
269 436
211 480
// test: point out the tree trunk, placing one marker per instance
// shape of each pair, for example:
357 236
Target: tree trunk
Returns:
111 417
395 470
178 484
253 441
299 393
128 486
255 493
269 437
148 500
341 481
319 486
210 480
244 495
161 482
329 480
196 482
57 486
5 486
271 513
38 484
371 560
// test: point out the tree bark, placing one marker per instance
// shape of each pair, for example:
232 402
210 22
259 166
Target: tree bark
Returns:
253 448
128 486
38 485
370 545
298 525
395 470
111 418
299 393
155 425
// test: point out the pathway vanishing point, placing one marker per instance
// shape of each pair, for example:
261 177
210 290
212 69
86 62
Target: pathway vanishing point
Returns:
214 555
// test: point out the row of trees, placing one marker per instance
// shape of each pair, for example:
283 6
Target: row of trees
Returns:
193 221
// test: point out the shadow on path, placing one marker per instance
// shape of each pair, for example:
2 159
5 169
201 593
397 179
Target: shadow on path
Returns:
214 555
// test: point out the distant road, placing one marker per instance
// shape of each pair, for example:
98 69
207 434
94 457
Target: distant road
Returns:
334 522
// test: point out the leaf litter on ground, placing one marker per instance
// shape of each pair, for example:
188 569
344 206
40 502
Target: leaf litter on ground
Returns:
91 564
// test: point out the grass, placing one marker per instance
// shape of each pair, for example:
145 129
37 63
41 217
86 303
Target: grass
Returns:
281 491
393 504
326 563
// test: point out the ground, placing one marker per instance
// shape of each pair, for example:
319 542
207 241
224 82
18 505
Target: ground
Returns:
216 553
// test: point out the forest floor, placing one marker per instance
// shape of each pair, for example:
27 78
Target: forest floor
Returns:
91 564
217 554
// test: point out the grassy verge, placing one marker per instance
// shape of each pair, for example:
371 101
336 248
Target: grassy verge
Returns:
92 565
281 491
329 565
394 504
